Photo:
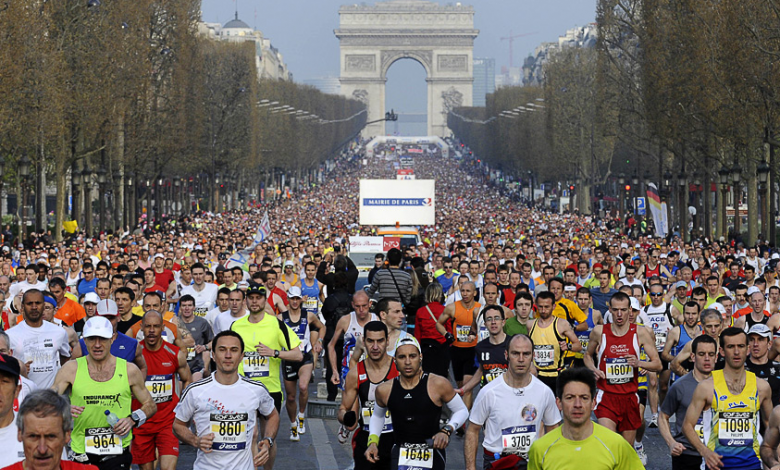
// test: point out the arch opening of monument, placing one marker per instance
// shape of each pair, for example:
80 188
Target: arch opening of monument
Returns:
406 92
439 37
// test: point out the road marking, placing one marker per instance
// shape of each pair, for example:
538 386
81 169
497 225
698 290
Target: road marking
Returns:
319 436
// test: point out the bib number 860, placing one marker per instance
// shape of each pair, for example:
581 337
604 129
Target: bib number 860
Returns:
230 428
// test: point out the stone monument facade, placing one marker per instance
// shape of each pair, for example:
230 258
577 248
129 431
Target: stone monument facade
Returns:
439 37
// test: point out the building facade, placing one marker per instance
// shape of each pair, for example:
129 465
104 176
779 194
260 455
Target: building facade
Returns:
269 61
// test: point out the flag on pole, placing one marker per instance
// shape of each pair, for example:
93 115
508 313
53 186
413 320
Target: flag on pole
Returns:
262 232
241 258
658 210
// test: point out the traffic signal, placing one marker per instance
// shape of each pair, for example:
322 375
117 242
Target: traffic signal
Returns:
478 161
571 187
628 187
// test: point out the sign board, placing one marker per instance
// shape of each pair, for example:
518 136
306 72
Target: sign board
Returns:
405 175
385 202
641 209
366 244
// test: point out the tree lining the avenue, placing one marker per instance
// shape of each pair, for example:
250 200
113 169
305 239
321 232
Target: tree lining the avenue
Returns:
683 94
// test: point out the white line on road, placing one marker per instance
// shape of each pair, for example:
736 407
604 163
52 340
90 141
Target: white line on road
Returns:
325 458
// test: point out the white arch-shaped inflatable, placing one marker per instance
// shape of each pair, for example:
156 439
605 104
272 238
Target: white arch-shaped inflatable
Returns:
445 149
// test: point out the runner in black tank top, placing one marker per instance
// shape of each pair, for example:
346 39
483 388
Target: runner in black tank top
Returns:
357 401
415 400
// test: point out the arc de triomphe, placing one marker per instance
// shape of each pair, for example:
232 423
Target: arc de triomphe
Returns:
440 38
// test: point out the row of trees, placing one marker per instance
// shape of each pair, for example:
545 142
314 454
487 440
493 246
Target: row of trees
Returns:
680 88
131 88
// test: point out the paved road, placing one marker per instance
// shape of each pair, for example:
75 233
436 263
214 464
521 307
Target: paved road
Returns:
319 448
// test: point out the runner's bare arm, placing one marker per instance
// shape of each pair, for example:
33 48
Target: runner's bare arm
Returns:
771 441
184 370
593 343
702 400
182 431
449 311
139 360
341 327
139 390
473 382
65 377
314 335
565 328
647 340
348 397
671 341
765 399
676 364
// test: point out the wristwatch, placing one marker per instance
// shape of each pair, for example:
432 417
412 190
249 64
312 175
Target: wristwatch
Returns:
276 353
270 441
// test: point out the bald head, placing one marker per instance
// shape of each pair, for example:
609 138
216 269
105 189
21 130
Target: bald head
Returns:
151 315
360 295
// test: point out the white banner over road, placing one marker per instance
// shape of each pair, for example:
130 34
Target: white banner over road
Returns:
386 202
366 244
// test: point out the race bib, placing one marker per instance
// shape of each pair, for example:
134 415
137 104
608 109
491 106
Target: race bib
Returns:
584 340
190 354
368 411
160 387
256 365
735 428
518 439
493 374
415 456
202 311
463 333
618 371
699 428
544 355
229 431
311 304
660 341
483 332
102 441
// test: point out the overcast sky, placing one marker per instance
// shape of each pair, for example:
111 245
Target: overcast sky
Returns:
302 30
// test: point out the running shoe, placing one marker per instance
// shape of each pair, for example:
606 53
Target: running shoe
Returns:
640 451
301 424
294 436
343 434
653 422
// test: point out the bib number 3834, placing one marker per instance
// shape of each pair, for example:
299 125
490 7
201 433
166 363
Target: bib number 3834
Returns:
415 456
229 431
544 355
102 441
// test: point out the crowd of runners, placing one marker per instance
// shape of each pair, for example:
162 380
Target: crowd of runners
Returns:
540 338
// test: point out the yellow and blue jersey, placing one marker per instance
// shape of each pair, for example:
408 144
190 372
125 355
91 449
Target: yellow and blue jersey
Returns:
731 425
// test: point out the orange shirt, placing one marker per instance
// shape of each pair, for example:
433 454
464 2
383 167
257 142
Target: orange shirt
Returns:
70 312
747 311
170 333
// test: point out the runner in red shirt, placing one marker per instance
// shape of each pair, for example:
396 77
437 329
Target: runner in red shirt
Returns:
40 422
618 345
164 361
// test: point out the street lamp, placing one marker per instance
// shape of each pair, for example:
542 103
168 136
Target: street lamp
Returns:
723 176
668 179
723 179
736 172
101 179
24 173
763 171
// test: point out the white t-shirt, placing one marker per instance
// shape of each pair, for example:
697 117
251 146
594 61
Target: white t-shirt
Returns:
224 320
230 412
513 429
212 315
13 450
43 346
205 299
28 386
